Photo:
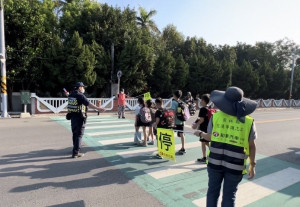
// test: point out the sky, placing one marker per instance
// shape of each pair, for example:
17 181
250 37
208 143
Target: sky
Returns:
221 22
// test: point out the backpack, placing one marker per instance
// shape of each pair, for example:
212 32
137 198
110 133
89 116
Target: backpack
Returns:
210 112
167 120
145 115
182 111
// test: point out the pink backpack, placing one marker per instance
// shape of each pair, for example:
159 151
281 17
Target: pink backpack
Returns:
145 115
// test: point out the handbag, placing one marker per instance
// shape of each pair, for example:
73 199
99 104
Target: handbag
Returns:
68 116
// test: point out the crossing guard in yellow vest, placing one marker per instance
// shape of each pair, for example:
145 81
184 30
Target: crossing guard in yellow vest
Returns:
232 133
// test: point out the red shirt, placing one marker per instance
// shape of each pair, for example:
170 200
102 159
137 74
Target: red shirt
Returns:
121 99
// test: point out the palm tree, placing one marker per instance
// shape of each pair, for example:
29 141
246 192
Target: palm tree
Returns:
145 20
58 5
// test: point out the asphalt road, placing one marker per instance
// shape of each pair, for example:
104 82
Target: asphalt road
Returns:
36 168
278 133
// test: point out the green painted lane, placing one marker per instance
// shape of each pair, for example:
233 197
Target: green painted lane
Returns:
183 188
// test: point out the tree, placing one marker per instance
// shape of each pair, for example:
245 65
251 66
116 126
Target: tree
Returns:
244 77
161 80
136 61
180 73
195 73
102 68
80 62
28 34
172 39
145 22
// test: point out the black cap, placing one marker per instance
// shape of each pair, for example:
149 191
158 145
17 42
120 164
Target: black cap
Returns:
78 84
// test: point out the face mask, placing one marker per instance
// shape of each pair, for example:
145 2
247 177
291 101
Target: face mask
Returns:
83 90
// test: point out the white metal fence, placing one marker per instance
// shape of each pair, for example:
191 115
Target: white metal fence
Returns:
57 105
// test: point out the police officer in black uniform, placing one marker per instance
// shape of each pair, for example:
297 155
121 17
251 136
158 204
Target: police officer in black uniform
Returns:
77 108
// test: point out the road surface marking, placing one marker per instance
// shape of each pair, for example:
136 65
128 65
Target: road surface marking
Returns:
116 141
111 126
107 122
176 169
111 132
149 151
257 189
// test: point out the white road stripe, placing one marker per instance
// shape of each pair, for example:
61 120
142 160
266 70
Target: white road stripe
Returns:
149 151
111 132
257 189
116 141
171 170
94 119
106 122
99 117
111 126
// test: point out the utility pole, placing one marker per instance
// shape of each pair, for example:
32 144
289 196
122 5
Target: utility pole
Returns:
4 113
112 50
292 74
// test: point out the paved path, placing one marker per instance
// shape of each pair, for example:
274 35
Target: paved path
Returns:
184 182
36 169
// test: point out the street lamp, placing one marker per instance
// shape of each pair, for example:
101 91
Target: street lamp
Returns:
119 74
292 72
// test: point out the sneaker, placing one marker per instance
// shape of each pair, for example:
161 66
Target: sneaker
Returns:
78 155
203 160
123 117
142 144
158 156
182 151
151 143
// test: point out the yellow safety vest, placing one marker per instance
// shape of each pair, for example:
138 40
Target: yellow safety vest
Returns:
74 106
229 147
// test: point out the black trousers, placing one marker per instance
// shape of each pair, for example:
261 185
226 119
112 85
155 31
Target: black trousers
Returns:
78 126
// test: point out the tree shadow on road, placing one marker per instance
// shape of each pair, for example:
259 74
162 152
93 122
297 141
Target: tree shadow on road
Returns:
51 164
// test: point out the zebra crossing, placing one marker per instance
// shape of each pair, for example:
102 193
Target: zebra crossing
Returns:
184 182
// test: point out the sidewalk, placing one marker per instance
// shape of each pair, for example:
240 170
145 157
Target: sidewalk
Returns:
36 169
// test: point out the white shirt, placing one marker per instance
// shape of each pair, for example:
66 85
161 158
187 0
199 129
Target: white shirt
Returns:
137 109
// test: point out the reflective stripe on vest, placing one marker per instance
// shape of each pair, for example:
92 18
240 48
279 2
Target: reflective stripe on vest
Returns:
73 105
229 146
228 153
226 164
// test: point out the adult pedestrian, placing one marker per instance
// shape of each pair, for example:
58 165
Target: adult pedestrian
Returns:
179 125
77 107
232 133
121 104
